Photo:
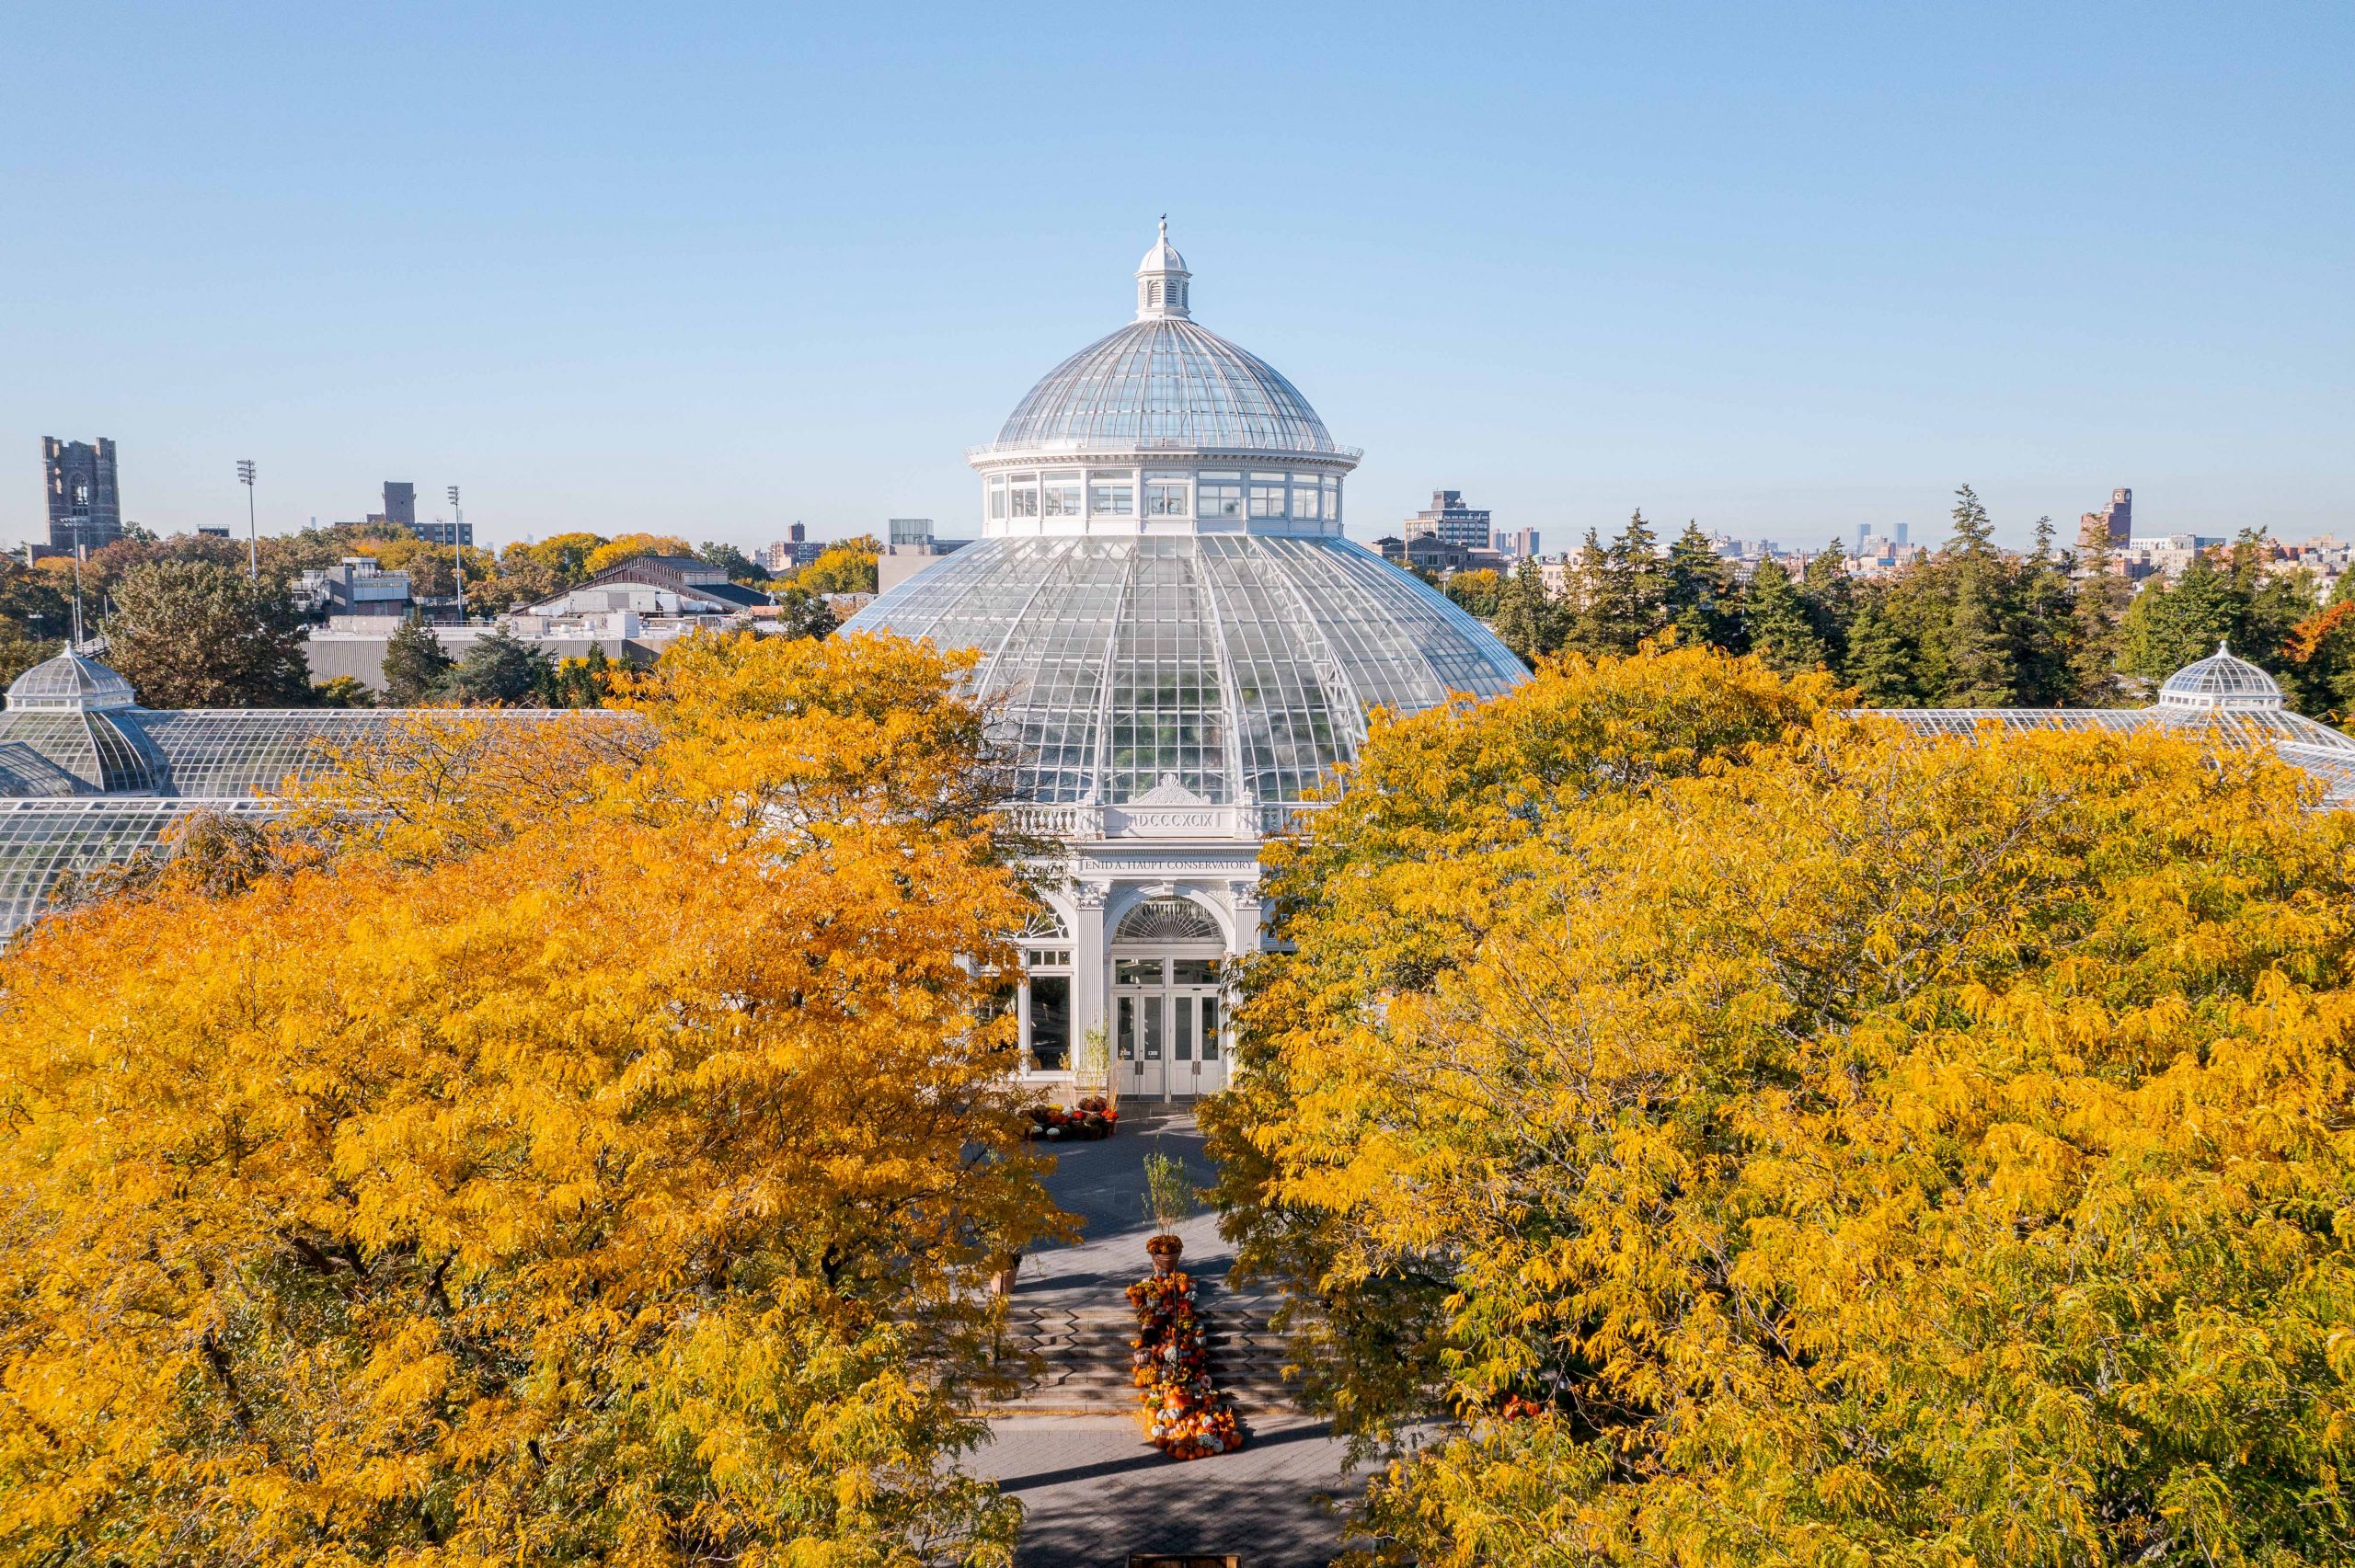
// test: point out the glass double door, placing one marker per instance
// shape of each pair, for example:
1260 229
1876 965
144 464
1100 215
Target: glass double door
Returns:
1168 1027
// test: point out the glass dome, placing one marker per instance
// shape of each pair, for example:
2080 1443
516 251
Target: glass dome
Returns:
1165 382
2220 681
70 682
1212 668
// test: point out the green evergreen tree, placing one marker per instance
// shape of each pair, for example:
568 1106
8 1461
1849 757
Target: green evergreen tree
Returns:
2170 624
1588 622
1980 662
2270 603
1879 664
581 682
803 613
2047 603
343 691
1830 599
415 666
2098 605
1528 620
1781 632
1698 594
1634 588
1974 531
500 668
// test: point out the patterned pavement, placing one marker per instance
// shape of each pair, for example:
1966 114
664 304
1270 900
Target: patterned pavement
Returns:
1093 1490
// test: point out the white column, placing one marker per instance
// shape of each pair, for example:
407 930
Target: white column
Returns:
1244 902
1090 964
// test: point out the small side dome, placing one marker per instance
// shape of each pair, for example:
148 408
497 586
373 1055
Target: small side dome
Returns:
72 682
2221 680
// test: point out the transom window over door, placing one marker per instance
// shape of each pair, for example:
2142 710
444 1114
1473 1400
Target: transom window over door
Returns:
1168 920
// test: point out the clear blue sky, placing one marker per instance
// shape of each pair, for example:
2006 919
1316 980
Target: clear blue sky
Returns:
706 269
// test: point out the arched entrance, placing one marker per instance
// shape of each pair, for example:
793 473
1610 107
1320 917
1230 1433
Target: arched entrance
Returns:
1169 1008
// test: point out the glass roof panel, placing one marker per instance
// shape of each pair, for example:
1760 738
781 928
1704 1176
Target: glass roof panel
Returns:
1165 382
1228 661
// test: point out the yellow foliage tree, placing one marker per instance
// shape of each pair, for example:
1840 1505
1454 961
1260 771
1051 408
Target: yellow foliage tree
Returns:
628 546
1759 1136
847 567
576 1141
432 571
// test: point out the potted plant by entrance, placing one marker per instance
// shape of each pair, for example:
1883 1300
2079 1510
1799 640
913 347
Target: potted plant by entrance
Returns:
1092 1065
1169 1198
1184 1414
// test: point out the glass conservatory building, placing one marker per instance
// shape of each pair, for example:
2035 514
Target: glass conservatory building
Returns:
1184 646
89 778
2225 703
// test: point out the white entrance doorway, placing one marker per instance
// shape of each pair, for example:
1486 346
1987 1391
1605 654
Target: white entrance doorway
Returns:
1168 1002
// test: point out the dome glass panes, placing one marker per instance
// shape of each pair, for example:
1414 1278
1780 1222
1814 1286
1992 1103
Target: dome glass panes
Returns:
1166 382
2221 680
69 681
1225 665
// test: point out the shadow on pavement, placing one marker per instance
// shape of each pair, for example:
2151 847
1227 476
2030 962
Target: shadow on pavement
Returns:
1149 1460
1092 1490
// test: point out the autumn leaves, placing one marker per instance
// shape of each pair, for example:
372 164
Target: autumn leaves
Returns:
1760 1136
578 1142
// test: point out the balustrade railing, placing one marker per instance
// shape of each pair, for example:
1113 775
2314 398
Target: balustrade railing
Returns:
1083 822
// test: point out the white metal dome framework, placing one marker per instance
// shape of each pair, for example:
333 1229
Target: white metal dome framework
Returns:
2220 681
70 682
1162 598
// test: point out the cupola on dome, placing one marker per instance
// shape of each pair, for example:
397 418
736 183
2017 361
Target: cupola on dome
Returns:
2221 680
1163 382
70 683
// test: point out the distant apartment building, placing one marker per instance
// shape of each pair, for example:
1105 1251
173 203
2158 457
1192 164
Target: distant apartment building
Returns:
84 508
2155 555
796 550
909 546
400 512
2114 522
1449 519
445 534
1876 555
1440 557
1516 543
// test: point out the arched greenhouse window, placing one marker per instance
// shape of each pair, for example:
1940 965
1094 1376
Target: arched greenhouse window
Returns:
1168 919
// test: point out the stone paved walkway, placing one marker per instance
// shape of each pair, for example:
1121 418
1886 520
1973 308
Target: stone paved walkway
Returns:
1094 1489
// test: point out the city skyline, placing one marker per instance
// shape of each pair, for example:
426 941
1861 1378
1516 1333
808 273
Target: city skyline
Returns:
1788 276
